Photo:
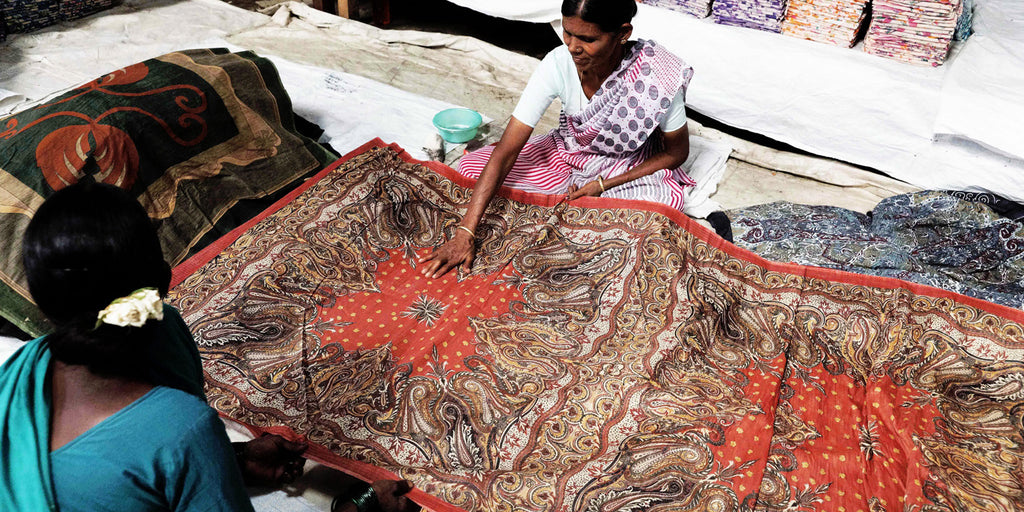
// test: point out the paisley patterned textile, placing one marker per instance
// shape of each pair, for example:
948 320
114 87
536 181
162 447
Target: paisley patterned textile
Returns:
950 241
194 135
602 355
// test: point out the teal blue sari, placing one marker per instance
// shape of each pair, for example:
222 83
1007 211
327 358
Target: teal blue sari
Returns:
25 482
25 479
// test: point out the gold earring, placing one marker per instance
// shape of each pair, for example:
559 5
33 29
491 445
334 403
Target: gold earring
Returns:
624 41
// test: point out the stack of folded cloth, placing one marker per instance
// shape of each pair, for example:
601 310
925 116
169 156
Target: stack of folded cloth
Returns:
835 22
963 25
698 8
757 14
18 16
915 31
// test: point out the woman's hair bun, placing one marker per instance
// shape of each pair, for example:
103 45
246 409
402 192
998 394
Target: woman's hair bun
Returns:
88 244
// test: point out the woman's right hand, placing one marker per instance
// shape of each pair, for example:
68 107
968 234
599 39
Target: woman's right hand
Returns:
391 496
460 249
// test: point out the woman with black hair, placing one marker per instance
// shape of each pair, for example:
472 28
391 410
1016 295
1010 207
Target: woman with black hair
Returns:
108 412
622 131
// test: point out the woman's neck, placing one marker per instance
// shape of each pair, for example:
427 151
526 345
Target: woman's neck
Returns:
82 399
594 77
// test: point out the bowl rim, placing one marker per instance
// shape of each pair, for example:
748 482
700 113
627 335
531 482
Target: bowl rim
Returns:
478 119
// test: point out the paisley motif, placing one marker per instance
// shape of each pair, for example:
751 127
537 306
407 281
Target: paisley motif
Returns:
599 359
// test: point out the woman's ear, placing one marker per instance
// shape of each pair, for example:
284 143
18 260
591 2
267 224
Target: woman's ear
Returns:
625 32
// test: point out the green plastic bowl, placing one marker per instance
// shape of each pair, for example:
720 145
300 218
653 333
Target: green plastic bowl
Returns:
457 125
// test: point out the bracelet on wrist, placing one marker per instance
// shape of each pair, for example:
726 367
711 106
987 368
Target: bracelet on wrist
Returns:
367 501
600 183
467 230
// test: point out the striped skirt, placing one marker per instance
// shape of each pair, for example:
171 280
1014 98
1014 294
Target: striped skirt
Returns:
543 167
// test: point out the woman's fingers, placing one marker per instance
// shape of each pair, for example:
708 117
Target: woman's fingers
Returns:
429 269
391 496
295 447
448 265
452 254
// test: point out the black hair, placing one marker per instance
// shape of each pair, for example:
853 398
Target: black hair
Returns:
88 244
609 15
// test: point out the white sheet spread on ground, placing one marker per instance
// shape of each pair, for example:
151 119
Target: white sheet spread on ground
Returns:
956 126
353 110
349 108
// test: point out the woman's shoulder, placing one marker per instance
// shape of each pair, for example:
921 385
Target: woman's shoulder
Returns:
559 55
652 47
558 63
185 407
173 411
159 420
176 422
663 59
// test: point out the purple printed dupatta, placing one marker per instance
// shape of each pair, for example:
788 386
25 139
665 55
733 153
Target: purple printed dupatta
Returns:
614 131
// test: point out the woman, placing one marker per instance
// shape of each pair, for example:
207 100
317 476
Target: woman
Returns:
622 131
108 411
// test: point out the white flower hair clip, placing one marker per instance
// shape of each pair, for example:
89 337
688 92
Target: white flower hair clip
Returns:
134 310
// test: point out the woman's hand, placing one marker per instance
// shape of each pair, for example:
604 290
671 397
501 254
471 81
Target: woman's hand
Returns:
271 461
386 496
391 496
460 249
590 189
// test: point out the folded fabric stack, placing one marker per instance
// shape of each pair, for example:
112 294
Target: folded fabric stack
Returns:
698 8
963 25
74 9
836 22
764 15
915 31
29 15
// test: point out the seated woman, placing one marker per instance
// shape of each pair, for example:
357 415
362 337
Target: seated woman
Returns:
108 412
622 130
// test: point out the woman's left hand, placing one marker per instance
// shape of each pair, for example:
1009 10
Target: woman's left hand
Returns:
590 189
271 461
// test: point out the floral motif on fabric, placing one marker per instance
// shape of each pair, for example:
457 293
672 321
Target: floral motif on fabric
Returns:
601 359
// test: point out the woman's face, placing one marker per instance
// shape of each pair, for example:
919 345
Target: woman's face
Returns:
591 48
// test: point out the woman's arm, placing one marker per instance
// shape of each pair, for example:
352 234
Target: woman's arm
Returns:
460 249
677 148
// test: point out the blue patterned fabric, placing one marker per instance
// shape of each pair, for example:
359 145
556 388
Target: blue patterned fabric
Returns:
74 9
29 15
964 22
930 237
